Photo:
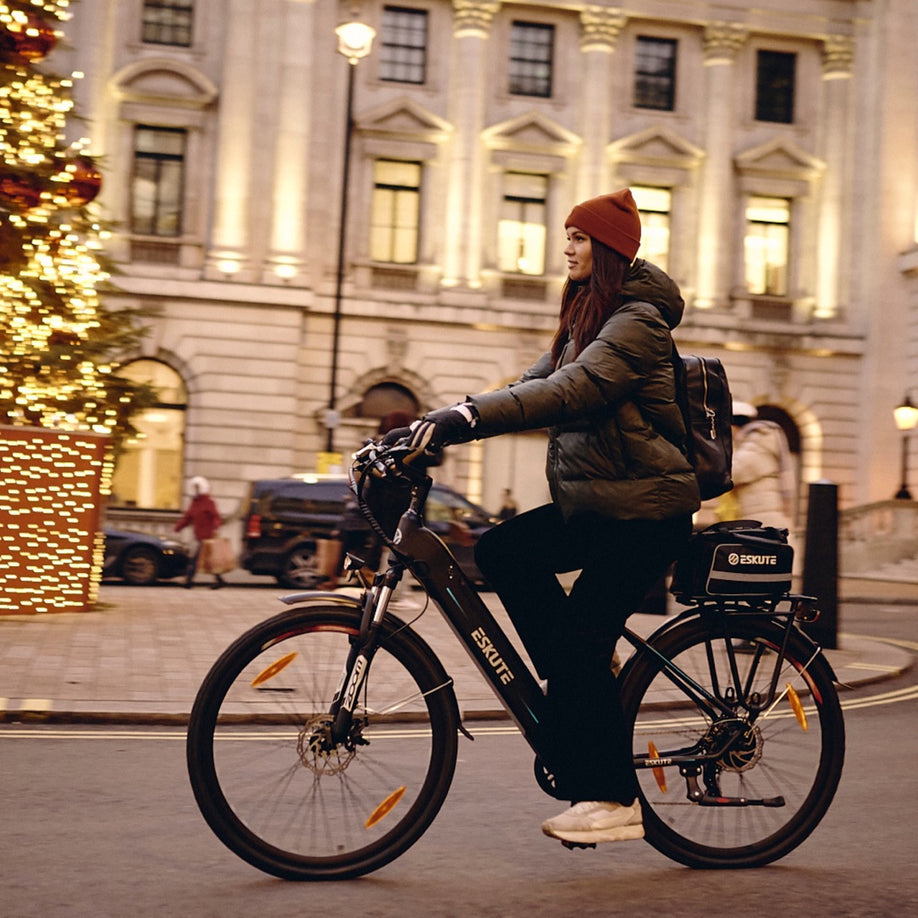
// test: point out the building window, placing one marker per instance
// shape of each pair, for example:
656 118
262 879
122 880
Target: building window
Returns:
158 181
655 74
767 245
521 229
395 213
403 45
654 206
531 51
774 93
149 470
167 22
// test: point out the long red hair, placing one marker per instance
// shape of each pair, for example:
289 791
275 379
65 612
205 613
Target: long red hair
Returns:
586 305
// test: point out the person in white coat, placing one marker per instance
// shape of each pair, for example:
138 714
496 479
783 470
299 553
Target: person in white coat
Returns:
763 480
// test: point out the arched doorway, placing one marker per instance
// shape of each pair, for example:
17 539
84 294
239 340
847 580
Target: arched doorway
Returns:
148 472
385 398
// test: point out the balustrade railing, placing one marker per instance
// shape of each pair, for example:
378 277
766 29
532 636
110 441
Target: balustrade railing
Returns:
874 536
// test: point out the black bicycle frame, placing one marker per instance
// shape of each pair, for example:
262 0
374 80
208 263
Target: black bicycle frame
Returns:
424 553
430 560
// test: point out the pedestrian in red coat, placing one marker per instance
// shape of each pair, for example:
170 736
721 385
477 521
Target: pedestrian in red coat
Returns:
205 520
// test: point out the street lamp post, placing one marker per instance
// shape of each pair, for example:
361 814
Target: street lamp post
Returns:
906 416
354 42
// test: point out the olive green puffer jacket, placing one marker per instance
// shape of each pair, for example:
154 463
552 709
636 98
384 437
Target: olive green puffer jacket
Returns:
615 430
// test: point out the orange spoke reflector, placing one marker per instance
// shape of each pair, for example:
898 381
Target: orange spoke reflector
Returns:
385 807
658 773
273 669
797 705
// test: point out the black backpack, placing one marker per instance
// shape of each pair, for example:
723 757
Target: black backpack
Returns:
703 395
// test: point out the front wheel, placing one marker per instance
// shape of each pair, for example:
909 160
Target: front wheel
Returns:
745 785
140 567
272 784
300 568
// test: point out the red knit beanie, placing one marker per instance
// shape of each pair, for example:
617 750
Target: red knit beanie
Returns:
612 219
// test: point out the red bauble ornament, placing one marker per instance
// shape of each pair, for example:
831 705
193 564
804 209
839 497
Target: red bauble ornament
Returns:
32 39
85 181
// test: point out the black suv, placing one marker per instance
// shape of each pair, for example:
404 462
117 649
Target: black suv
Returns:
285 516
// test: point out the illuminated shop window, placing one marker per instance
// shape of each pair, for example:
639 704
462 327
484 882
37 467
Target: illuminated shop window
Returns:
395 216
148 473
521 228
767 245
654 205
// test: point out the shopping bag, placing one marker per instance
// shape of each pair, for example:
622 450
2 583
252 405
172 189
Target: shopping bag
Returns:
217 556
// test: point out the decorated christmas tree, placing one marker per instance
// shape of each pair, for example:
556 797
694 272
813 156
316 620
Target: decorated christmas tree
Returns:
63 407
57 339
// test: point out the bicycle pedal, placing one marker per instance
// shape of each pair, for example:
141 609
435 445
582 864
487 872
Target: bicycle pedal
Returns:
572 845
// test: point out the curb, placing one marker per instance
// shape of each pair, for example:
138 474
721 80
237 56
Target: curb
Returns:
857 663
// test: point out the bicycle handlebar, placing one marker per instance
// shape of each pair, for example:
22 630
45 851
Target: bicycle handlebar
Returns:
389 466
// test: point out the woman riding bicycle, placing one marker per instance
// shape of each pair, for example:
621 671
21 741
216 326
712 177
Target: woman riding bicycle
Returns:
623 494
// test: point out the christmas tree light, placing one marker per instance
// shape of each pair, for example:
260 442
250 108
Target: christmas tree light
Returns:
58 340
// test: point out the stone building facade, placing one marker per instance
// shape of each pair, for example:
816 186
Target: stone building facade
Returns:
772 148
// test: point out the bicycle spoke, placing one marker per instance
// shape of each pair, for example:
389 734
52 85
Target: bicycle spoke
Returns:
270 780
753 783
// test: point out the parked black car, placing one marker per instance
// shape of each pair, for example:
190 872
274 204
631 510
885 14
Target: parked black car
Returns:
285 517
141 559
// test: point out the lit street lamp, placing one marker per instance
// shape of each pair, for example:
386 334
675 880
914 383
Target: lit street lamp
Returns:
906 416
354 42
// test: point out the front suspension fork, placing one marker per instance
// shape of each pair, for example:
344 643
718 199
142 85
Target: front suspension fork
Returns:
360 656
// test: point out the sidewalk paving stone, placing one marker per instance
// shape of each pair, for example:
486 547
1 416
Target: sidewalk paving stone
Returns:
142 653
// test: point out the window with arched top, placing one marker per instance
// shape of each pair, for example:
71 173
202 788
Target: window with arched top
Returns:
148 472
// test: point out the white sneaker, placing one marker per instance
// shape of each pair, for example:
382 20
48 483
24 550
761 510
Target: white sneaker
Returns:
594 821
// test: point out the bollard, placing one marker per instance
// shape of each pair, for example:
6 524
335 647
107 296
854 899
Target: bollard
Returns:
820 561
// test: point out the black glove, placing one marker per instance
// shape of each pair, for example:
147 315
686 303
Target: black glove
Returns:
441 427
394 435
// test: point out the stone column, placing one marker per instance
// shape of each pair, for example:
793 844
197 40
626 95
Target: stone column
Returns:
832 277
228 250
468 68
599 30
291 156
715 237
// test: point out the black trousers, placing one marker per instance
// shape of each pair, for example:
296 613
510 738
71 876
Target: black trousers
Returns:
571 637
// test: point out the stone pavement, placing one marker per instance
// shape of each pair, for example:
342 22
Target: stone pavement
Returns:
141 655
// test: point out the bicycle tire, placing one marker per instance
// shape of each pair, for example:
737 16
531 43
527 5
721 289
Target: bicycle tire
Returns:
777 760
302 816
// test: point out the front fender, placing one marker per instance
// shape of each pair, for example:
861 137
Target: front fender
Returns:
339 599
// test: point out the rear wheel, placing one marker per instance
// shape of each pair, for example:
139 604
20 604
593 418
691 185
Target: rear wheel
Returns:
764 775
272 784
